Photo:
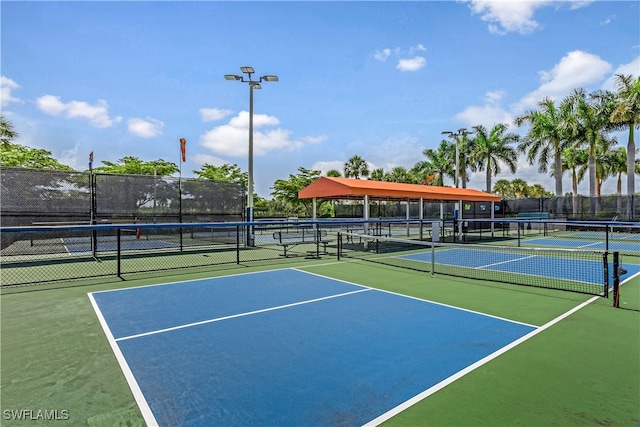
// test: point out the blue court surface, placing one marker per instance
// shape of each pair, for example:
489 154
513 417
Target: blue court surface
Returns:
577 270
596 245
286 348
82 245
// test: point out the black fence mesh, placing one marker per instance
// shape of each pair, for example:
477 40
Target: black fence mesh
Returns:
46 197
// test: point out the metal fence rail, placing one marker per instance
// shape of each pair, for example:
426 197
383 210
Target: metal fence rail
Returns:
45 254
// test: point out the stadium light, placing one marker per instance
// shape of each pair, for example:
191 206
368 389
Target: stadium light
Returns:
253 84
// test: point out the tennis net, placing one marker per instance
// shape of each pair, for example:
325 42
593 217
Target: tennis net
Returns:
583 271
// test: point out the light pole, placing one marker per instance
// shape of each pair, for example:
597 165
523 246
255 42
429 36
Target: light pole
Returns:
457 215
253 84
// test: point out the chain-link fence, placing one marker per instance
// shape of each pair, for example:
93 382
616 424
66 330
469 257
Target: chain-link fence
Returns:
581 208
45 197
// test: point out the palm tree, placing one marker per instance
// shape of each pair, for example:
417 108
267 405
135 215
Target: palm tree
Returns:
627 113
519 187
589 128
334 173
356 167
377 174
546 138
573 160
400 174
615 162
440 163
489 149
503 188
538 191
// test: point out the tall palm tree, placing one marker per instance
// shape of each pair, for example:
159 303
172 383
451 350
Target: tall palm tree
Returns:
627 113
546 138
589 129
356 167
573 160
615 163
439 163
491 148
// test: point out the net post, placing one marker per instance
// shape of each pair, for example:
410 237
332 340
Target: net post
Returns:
339 244
616 279
605 262
119 252
433 257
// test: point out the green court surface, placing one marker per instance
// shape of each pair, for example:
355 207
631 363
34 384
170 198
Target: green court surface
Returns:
582 370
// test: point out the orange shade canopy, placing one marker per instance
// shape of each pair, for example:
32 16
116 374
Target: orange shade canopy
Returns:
346 188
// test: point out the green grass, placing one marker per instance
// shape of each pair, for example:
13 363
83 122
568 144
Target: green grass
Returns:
584 370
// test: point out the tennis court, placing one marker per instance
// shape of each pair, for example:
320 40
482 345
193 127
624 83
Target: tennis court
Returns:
630 244
301 349
331 339
580 271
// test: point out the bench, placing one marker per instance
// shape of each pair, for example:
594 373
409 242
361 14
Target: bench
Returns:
288 239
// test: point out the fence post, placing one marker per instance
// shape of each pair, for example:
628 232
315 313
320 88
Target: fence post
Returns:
237 244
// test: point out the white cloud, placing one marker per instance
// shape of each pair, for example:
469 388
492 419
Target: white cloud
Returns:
576 69
145 128
507 16
213 114
326 166
632 68
231 139
98 114
315 139
515 15
397 150
382 55
412 64
201 159
404 64
6 86
488 114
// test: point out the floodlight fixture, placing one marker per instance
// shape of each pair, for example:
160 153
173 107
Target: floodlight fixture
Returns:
232 77
248 70
269 78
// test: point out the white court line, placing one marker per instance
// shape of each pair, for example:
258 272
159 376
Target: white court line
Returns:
419 299
233 316
442 384
505 262
143 405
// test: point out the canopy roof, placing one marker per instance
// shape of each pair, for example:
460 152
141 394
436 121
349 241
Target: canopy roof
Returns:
346 188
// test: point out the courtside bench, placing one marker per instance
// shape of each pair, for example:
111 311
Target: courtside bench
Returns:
288 239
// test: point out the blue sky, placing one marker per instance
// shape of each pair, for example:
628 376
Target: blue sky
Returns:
380 80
